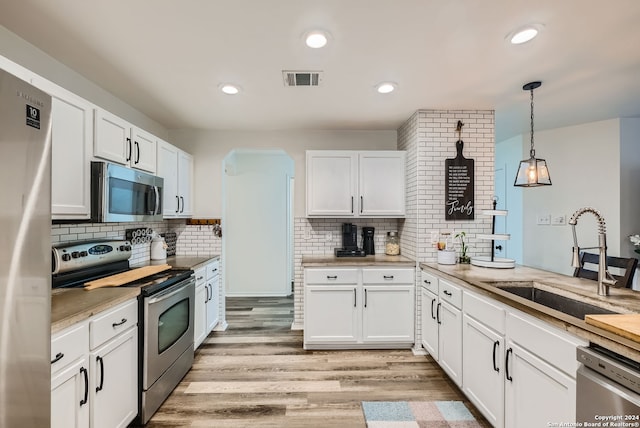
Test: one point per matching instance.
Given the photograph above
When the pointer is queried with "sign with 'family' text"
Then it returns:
(459, 186)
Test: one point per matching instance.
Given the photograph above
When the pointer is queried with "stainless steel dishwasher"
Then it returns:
(607, 388)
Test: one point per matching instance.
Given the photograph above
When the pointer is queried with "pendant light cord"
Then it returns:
(532, 152)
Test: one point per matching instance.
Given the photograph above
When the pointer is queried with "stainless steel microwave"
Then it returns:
(120, 194)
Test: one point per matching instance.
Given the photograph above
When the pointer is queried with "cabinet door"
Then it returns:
(112, 138)
(143, 154)
(331, 314)
(429, 322)
(200, 315)
(70, 396)
(537, 393)
(213, 303)
(185, 174)
(167, 168)
(482, 365)
(71, 146)
(332, 180)
(114, 381)
(450, 341)
(381, 184)
(388, 314)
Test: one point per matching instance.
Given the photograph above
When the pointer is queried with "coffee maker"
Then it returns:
(349, 242)
(368, 244)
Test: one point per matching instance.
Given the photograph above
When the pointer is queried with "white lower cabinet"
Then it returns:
(94, 370)
(207, 306)
(331, 314)
(213, 297)
(359, 308)
(483, 329)
(517, 370)
(200, 308)
(442, 324)
(114, 382)
(70, 377)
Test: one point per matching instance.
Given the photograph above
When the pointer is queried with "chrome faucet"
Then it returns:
(605, 279)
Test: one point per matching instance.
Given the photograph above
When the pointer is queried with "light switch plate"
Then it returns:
(559, 220)
(544, 219)
(328, 236)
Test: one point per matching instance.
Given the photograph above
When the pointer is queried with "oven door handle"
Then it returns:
(170, 292)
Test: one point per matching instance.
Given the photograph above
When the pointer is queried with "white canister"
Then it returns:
(446, 257)
(158, 248)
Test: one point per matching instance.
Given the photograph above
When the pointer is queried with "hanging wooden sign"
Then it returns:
(459, 185)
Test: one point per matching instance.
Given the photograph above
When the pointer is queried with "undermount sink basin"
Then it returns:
(528, 290)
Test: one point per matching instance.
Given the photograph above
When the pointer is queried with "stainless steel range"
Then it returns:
(165, 323)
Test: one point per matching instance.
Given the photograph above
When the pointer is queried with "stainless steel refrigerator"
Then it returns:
(25, 254)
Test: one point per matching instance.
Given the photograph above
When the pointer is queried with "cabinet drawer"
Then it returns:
(555, 346)
(109, 324)
(201, 275)
(331, 276)
(450, 293)
(487, 312)
(68, 345)
(388, 276)
(213, 269)
(428, 281)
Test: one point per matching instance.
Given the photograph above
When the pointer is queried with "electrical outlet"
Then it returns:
(328, 236)
(307, 233)
(434, 236)
(543, 219)
(559, 220)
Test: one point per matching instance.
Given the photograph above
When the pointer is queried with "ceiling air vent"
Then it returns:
(302, 78)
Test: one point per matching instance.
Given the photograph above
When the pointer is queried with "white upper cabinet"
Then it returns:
(355, 183)
(71, 142)
(176, 168)
(118, 141)
(381, 184)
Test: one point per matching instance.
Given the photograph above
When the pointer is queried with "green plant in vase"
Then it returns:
(464, 258)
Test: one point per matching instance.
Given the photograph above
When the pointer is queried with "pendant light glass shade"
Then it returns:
(532, 172)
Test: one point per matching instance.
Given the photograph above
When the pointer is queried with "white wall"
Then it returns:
(589, 167)
(508, 155)
(27, 55)
(629, 183)
(210, 147)
(255, 228)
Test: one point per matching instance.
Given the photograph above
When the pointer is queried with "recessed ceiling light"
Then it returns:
(316, 39)
(386, 87)
(229, 88)
(524, 34)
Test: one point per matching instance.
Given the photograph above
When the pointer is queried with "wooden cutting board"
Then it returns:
(625, 325)
(125, 277)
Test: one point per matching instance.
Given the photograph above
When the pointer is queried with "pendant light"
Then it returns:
(532, 172)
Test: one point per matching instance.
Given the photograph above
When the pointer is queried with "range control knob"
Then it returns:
(83, 254)
(125, 248)
(66, 257)
(75, 254)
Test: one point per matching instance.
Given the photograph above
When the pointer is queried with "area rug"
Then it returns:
(417, 414)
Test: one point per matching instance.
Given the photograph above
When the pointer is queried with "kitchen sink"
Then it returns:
(528, 290)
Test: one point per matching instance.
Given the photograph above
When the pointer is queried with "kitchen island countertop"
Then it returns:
(480, 279)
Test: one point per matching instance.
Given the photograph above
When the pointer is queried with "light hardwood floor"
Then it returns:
(256, 374)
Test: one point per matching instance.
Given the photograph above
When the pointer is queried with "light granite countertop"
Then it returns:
(480, 279)
(371, 260)
(185, 262)
(72, 305)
